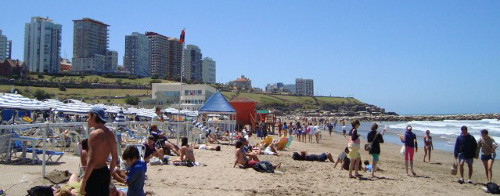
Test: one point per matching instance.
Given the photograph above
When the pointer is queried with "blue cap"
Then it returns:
(100, 113)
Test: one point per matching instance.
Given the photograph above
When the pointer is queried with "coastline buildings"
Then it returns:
(42, 45)
(137, 55)
(159, 54)
(175, 49)
(242, 84)
(192, 64)
(90, 48)
(5, 47)
(192, 96)
(304, 87)
(208, 70)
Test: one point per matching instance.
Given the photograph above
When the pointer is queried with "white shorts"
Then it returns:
(268, 151)
(203, 147)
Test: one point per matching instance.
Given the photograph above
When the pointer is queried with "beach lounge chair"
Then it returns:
(281, 144)
(267, 141)
(49, 154)
(290, 139)
(132, 136)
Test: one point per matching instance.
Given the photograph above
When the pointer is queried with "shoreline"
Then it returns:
(396, 118)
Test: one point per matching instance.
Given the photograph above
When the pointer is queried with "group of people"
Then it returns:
(302, 131)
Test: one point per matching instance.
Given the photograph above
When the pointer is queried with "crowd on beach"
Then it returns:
(100, 161)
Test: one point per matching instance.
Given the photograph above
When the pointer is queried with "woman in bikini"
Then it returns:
(428, 145)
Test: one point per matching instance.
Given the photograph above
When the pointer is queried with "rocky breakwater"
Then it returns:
(425, 117)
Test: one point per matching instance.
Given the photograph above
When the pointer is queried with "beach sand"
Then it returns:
(295, 177)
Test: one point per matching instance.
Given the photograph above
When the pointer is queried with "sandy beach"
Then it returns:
(294, 177)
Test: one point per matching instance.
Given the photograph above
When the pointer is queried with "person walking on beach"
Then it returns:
(102, 143)
(488, 146)
(330, 128)
(428, 146)
(465, 151)
(354, 143)
(376, 139)
(411, 146)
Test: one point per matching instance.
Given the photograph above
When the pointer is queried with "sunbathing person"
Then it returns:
(151, 150)
(206, 147)
(72, 188)
(249, 151)
(303, 156)
(243, 160)
(187, 154)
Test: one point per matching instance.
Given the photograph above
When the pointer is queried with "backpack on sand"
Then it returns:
(264, 166)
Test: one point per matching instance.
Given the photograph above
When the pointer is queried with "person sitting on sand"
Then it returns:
(159, 136)
(83, 156)
(248, 150)
(206, 147)
(342, 158)
(242, 159)
(187, 153)
(151, 150)
(367, 167)
(303, 156)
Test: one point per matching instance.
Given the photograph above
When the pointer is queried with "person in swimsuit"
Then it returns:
(72, 188)
(243, 160)
(428, 145)
(102, 143)
(303, 156)
(187, 153)
(206, 147)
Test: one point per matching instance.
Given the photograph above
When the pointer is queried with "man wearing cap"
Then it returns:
(465, 151)
(101, 144)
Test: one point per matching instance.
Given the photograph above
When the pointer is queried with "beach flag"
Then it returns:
(182, 36)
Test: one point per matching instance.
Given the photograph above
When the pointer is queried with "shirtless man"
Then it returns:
(101, 143)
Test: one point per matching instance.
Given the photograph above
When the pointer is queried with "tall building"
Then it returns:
(5, 47)
(137, 55)
(90, 48)
(304, 87)
(42, 45)
(192, 64)
(208, 70)
(159, 54)
(174, 59)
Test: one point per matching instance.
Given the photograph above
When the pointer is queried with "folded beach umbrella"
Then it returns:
(120, 117)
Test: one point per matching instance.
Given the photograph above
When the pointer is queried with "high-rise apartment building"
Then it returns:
(192, 64)
(42, 45)
(159, 54)
(90, 48)
(304, 87)
(5, 47)
(137, 55)
(208, 70)
(174, 59)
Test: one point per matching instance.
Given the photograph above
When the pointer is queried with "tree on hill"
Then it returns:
(41, 95)
(131, 100)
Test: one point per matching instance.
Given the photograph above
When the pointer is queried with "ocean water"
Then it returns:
(444, 133)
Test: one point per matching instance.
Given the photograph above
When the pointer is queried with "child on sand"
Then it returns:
(367, 167)
(137, 172)
(342, 158)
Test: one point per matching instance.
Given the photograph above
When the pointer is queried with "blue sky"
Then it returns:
(422, 57)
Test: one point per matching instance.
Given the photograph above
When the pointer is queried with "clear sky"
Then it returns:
(418, 57)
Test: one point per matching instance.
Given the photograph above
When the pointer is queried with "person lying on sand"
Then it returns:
(72, 188)
(206, 147)
(303, 156)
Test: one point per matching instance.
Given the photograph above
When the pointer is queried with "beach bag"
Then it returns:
(41, 191)
(368, 147)
(492, 188)
(403, 150)
(454, 168)
(264, 167)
